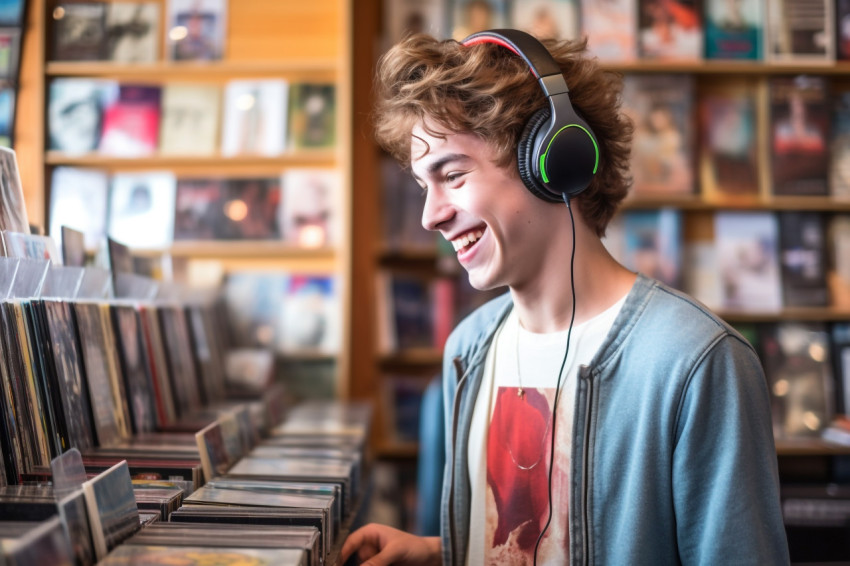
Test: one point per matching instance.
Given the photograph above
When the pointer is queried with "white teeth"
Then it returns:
(466, 239)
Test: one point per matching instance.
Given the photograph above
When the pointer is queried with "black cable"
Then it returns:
(560, 374)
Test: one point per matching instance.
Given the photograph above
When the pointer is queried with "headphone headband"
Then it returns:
(556, 131)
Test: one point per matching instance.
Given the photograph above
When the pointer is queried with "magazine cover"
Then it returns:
(800, 31)
(670, 30)
(78, 200)
(13, 211)
(729, 148)
(309, 316)
(312, 116)
(75, 113)
(130, 121)
(661, 107)
(734, 30)
(802, 245)
(132, 32)
(404, 17)
(747, 246)
(839, 146)
(610, 27)
(471, 16)
(547, 19)
(799, 134)
(308, 216)
(196, 30)
(189, 122)
(78, 32)
(141, 209)
(254, 117)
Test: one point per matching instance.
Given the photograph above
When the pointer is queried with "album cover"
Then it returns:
(78, 31)
(842, 30)
(134, 368)
(10, 54)
(75, 114)
(254, 302)
(670, 30)
(747, 247)
(102, 368)
(132, 32)
(68, 371)
(13, 440)
(610, 27)
(312, 116)
(112, 508)
(254, 117)
(839, 145)
(308, 212)
(196, 30)
(799, 375)
(44, 544)
(734, 30)
(208, 357)
(406, 303)
(405, 17)
(236, 209)
(190, 119)
(178, 348)
(651, 243)
(219, 447)
(547, 19)
(75, 522)
(661, 108)
(78, 200)
(800, 31)
(403, 202)
(839, 260)
(73, 247)
(11, 12)
(309, 321)
(471, 16)
(130, 120)
(799, 135)
(13, 211)
(728, 152)
(141, 209)
(8, 97)
(802, 244)
(157, 554)
(401, 401)
(30, 246)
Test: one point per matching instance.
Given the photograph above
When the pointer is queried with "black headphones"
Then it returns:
(557, 153)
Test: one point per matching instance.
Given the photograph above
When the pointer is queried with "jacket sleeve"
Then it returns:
(725, 478)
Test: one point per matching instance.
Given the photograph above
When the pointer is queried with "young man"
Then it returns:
(594, 416)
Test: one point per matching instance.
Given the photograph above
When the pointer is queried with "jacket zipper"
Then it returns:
(585, 530)
(455, 410)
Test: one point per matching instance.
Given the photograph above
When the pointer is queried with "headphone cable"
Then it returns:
(560, 374)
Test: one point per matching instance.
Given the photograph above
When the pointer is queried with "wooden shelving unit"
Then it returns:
(296, 42)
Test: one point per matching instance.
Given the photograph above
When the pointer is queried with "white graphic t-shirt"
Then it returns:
(510, 439)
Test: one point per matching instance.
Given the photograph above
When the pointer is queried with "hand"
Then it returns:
(380, 545)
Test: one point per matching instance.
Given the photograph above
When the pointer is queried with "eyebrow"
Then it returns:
(441, 162)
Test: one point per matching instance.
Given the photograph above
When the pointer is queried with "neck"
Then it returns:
(544, 303)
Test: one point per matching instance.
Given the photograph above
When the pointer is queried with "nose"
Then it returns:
(437, 209)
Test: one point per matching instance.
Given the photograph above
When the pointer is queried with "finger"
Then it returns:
(353, 542)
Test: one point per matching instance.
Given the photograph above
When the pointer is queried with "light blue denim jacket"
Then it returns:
(673, 459)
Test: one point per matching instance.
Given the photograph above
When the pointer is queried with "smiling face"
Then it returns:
(497, 227)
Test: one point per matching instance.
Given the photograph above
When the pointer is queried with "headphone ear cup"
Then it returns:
(526, 155)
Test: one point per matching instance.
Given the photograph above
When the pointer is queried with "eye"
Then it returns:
(453, 177)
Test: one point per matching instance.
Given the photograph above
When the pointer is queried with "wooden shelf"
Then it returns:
(240, 248)
(809, 447)
(776, 203)
(710, 67)
(391, 449)
(296, 69)
(413, 357)
(293, 158)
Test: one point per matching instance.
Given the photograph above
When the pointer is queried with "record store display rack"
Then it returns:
(118, 423)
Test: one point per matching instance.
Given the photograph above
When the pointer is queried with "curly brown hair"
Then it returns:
(487, 90)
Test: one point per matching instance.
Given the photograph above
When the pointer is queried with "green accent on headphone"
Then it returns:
(545, 153)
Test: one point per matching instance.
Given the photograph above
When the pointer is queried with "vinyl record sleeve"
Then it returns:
(153, 555)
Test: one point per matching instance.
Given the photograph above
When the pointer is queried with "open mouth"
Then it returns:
(466, 241)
